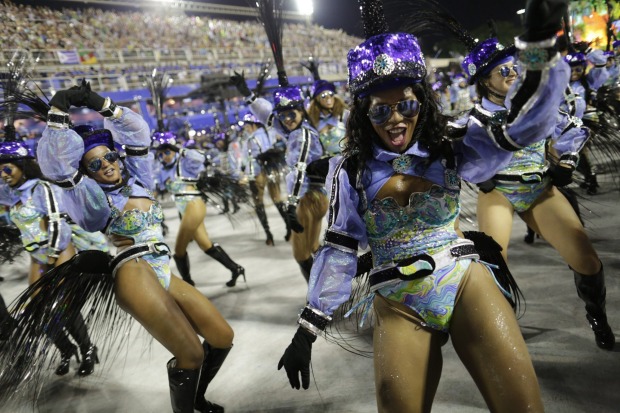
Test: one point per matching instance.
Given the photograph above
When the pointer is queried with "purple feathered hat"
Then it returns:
(484, 56)
(165, 140)
(384, 59)
(94, 137)
(576, 59)
(288, 97)
(321, 86)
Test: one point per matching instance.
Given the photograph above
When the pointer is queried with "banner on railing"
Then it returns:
(68, 57)
(87, 57)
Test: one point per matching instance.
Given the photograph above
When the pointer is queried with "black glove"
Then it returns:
(543, 19)
(291, 216)
(560, 175)
(313, 66)
(487, 186)
(93, 100)
(238, 80)
(64, 99)
(296, 358)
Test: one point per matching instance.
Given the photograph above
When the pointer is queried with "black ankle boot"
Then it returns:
(217, 253)
(182, 387)
(306, 267)
(592, 184)
(282, 210)
(89, 359)
(214, 358)
(591, 289)
(529, 237)
(65, 360)
(262, 217)
(183, 267)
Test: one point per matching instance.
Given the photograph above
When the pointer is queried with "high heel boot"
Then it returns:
(182, 384)
(214, 358)
(217, 253)
(306, 267)
(282, 210)
(77, 329)
(262, 217)
(67, 351)
(591, 289)
(183, 267)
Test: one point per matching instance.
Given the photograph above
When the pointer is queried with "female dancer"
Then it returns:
(327, 112)
(397, 189)
(307, 203)
(36, 208)
(103, 194)
(528, 185)
(179, 175)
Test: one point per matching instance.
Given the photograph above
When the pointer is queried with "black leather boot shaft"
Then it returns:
(591, 289)
(306, 267)
(282, 210)
(182, 384)
(214, 358)
(217, 253)
(183, 268)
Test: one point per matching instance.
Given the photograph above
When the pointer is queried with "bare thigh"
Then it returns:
(556, 221)
(140, 294)
(495, 216)
(193, 217)
(487, 339)
(407, 360)
(310, 212)
(260, 189)
(202, 314)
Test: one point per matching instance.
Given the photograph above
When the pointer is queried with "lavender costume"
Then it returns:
(96, 206)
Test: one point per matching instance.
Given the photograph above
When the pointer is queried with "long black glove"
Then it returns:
(313, 66)
(560, 175)
(296, 358)
(64, 99)
(293, 222)
(487, 186)
(93, 100)
(543, 19)
(238, 80)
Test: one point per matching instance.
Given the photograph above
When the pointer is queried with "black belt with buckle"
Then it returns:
(526, 178)
(36, 245)
(158, 248)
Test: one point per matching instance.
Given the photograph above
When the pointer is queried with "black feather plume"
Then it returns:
(432, 18)
(158, 84)
(373, 17)
(270, 15)
(13, 83)
(262, 77)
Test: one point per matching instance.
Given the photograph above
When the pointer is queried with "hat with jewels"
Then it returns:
(484, 56)
(384, 59)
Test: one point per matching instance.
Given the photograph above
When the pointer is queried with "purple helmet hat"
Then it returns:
(576, 59)
(250, 118)
(321, 86)
(287, 97)
(484, 56)
(94, 137)
(14, 151)
(383, 60)
(167, 139)
(609, 54)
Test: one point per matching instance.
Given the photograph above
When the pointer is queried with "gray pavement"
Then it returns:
(575, 376)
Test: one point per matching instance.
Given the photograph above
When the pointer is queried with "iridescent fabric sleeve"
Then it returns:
(59, 153)
(335, 264)
(262, 109)
(303, 148)
(131, 130)
(58, 231)
(570, 135)
(598, 75)
(192, 163)
(529, 116)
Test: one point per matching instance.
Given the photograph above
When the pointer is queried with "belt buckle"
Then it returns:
(532, 177)
(159, 248)
(416, 267)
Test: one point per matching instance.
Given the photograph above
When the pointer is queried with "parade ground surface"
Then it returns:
(575, 376)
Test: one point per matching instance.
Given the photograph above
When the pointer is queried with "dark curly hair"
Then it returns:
(29, 167)
(429, 130)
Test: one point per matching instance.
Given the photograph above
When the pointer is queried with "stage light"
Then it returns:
(305, 7)
(521, 11)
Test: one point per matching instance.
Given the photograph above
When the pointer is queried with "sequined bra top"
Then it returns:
(141, 226)
(425, 224)
(332, 139)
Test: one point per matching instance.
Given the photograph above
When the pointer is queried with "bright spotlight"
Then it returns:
(305, 7)
(521, 11)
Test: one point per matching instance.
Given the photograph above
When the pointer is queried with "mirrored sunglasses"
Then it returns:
(163, 153)
(96, 164)
(505, 70)
(287, 116)
(326, 95)
(382, 113)
(7, 170)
